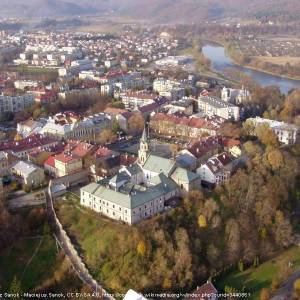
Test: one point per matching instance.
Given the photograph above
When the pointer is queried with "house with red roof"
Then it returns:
(23, 147)
(216, 170)
(66, 164)
(206, 291)
(186, 128)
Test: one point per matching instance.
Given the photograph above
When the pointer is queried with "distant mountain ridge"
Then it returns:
(41, 8)
(156, 10)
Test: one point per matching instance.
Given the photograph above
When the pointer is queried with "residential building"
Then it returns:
(206, 291)
(133, 100)
(286, 133)
(16, 104)
(185, 128)
(23, 84)
(29, 127)
(213, 106)
(173, 61)
(4, 164)
(170, 89)
(69, 125)
(67, 164)
(216, 170)
(23, 147)
(31, 175)
(184, 105)
(132, 295)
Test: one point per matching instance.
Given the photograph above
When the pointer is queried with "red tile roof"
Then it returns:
(79, 149)
(204, 292)
(28, 143)
(114, 111)
(50, 162)
(103, 152)
(65, 158)
(203, 146)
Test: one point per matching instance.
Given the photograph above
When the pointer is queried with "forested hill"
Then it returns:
(155, 10)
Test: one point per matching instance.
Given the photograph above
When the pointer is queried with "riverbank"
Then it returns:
(250, 67)
(222, 62)
(247, 66)
(204, 70)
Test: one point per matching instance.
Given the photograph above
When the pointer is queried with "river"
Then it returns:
(220, 62)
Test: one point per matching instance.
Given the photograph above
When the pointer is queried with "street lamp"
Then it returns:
(119, 134)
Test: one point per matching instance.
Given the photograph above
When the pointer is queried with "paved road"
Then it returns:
(286, 291)
(70, 250)
(26, 200)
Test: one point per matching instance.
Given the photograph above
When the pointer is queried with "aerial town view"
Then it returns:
(150, 149)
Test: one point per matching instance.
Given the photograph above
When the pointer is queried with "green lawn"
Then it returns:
(254, 279)
(96, 236)
(30, 260)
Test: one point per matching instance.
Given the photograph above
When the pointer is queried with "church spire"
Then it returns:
(144, 147)
(144, 136)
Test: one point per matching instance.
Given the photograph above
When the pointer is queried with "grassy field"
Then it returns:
(31, 260)
(96, 236)
(281, 60)
(254, 279)
(109, 25)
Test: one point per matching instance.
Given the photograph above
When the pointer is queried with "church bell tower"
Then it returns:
(144, 148)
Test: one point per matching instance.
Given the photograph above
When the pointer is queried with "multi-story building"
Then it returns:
(23, 147)
(184, 105)
(16, 103)
(29, 127)
(22, 84)
(4, 164)
(213, 106)
(133, 100)
(76, 67)
(31, 175)
(286, 133)
(235, 96)
(66, 164)
(171, 89)
(216, 170)
(183, 127)
(141, 190)
(68, 125)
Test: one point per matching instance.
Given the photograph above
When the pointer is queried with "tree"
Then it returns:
(115, 127)
(266, 135)
(15, 287)
(231, 130)
(249, 127)
(106, 136)
(275, 159)
(264, 294)
(233, 243)
(296, 286)
(167, 284)
(136, 124)
(252, 148)
(256, 262)
(241, 266)
(183, 259)
(141, 248)
(202, 221)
